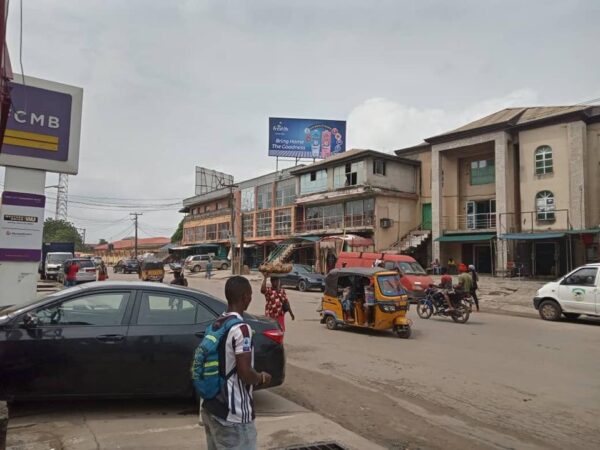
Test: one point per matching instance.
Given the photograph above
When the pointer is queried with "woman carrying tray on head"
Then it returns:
(277, 303)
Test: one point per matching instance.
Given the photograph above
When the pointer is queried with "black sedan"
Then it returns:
(116, 339)
(303, 278)
(127, 266)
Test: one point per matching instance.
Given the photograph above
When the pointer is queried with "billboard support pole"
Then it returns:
(19, 278)
(277, 164)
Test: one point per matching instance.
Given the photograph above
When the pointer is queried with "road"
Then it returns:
(496, 382)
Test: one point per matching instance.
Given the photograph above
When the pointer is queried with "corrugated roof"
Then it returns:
(352, 154)
(129, 243)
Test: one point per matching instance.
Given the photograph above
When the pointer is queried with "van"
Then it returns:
(413, 277)
(577, 293)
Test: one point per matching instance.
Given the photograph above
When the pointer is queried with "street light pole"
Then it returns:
(135, 220)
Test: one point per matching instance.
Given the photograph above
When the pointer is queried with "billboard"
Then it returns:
(43, 127)
(306, 138)
(208, 180)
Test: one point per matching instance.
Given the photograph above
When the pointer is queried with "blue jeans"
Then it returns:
(69, 283)
(233, 436)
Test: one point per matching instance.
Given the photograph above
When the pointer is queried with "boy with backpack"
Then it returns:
(224, 376)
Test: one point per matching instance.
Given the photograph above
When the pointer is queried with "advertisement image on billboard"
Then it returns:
(306, 138)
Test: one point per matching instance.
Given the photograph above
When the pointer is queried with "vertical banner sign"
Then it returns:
(306, 138)
(21, 226)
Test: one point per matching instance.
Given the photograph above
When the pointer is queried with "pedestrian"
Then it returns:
(475, 285)
(435, 266)
(178, 278)
(209, 268)
(451, 266)
(331, 260)
(102, 272)
(71, 278)
(276, 301)
(228, 418)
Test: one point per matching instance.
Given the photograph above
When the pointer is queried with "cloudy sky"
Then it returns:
(169, 85)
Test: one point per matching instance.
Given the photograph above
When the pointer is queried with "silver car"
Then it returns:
(198, 263)
(86, 273)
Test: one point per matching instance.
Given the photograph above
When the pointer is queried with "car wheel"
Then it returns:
(549, 310)
(572, 316)
(302, 286)
(196, 269)
(224, 266)
(330, 322)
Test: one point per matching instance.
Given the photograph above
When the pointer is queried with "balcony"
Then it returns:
(208, 215)
(469, 222)
(352, 222)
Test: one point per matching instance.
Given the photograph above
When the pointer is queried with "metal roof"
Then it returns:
(531, 236)
(466, 237)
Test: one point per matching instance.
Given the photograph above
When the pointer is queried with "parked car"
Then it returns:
(115, 339)
(197, 263)
(575, 294)
(52, 264)
(86, 273)
(127, 266)
(97, 260)
(303, 278)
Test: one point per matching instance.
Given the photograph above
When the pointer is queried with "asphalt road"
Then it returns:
(496, 382)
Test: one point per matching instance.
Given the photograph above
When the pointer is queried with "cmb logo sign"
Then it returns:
(43, 126)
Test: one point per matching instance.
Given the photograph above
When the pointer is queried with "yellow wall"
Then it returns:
(592, 187)
(558, 182)
(402, 213)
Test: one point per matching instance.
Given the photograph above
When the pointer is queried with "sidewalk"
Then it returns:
(130, 425)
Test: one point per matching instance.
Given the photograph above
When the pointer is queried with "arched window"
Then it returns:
(544, 206)
(543, 160)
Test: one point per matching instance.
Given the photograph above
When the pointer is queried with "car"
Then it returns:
(97, 260)
(127, 266)
(197, 263)
(303, 278)
(116, 339)
(86, 273)
(577, 293)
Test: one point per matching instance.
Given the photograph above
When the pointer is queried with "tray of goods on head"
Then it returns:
(275, 267)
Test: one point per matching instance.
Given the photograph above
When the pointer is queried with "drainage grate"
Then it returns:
(316, 446)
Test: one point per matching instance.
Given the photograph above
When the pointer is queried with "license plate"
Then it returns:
(154, 273)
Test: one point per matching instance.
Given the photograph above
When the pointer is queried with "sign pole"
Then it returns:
(19, 278)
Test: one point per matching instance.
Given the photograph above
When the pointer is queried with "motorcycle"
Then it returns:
(434, 304)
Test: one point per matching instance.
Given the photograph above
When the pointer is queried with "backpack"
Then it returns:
(207, 377)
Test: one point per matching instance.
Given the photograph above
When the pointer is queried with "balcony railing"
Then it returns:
(208, 215)
(482, 221)
(336, 222)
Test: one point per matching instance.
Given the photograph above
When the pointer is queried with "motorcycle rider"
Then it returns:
(447, 290)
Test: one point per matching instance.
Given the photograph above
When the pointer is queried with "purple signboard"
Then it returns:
(21, 226)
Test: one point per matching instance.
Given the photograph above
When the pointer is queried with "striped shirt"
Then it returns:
(235, 402)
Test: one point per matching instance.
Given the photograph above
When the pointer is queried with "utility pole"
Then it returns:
(135, 220)
(82, 234)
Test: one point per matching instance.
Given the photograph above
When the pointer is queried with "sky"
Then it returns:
(173, 85)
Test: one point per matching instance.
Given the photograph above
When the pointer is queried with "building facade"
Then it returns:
(125, 248)
(515, 189)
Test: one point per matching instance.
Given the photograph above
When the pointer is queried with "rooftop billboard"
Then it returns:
(306, 138)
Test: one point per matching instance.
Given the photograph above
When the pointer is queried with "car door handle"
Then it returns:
(199, 333)
(110, 338)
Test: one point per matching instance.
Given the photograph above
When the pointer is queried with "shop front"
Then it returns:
(473, 248)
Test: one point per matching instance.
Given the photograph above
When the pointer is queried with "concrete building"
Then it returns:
(515, 189)
(125, 248)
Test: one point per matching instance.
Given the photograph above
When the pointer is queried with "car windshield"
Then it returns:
(390, 285)
(411, 268)
(303, 268)
(83, 263)
(59, 259)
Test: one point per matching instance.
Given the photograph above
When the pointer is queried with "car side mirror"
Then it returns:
(296, 273)
(31, 321)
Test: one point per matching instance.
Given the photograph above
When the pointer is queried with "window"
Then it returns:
(199, 233)
(248, 225)
(105, 309)
(379, 167)
(322, 217)
(543, 160)
(350, 174)
(315, 181)
(583, 277)
(283, 222)
(223, 229)
(263, 224)
(264, 196)
(248, 199)
(544, 206)
(360, 212)
(483, 172)
(211, 232)
(164, 309)
(286, 192)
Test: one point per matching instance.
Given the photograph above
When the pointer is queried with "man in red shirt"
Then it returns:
(277, 303)
(72, 269)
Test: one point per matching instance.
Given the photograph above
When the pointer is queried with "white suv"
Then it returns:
(575, 294)
(197, 263)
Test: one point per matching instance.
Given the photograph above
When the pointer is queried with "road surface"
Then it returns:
(497, 382)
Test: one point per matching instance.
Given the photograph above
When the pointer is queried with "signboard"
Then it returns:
(21, 226)
(306, 138)
(43, 127)
(208, 180)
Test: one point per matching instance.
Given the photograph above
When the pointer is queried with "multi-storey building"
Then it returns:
(517, 188)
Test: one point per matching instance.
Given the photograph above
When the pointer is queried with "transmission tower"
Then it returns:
(62, 198)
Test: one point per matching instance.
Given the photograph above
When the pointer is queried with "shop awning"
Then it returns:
(585, 231)
(531, 236)
(466, 237)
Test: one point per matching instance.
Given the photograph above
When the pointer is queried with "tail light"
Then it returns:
(274, 335)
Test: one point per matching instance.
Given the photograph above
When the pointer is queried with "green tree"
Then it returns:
(102, 242)
(178, 235)
(62, 231)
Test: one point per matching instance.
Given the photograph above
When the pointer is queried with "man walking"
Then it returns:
(71, 278)
(229, 417)
(209, 268)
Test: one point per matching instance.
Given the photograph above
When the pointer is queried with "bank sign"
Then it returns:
(306, 138)
(43, 127)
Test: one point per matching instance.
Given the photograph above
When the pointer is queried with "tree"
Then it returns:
(62, 231)
(178, 235)
(102, 242)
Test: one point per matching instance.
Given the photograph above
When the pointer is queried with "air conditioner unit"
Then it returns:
(385, 223)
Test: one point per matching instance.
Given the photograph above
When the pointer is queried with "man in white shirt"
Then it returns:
(229, 417)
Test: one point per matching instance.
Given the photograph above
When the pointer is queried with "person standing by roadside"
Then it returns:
(451, 266)
(276, 301)
(102, 272)
(229, 417)
(71, 278)
(475, 285)
(209, 268)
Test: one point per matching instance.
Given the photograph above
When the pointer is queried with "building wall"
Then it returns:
(557, 182)
(402, 213)
(592, 176)
(450, 191)
(468, 191)
(398, 176)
